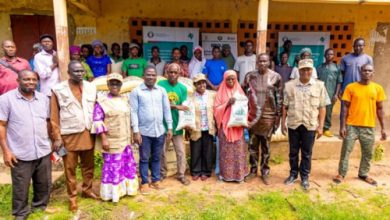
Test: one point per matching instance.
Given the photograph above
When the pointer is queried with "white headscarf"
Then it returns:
(196, 66)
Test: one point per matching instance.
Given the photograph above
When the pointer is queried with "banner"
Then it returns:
(318, 42)
(209, 40)
(167, 38)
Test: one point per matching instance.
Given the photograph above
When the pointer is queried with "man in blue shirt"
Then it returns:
(214, 69)
(149, 108)
(350, 66)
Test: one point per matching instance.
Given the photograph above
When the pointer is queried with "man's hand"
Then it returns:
(343, 132)
(9, 159)
(334, 99)
(284, 129)
(232, 100)
(137, 138)
(182, 108)
(169, 134)
(57, 144)
(340, 96)
(277, 123)
(105, 144)
(319, 131)
(383, 135)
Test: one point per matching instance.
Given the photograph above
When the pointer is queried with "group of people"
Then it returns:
(69, 118)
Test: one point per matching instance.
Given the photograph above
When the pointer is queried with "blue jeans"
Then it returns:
(151, 147)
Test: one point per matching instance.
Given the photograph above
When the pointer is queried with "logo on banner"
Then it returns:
(190, 35)
(219, 38)
(150, 34)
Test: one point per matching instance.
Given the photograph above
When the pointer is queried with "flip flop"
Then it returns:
(368, 180)
(338, 179)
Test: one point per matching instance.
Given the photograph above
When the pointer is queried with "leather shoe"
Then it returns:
(90, 195)
(73, 205)
(265, 179)
(290, 180)
(305, 183)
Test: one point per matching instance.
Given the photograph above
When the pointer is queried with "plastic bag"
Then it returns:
(239, 114)
(187, 118)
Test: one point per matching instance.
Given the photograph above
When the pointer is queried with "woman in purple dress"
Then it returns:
(111, 123)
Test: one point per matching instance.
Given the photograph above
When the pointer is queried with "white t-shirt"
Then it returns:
(159, 67)
(295, 73)
(245, 64)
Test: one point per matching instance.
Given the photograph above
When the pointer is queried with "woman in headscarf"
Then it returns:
(197, 62)
(75, 54)
(99, 62)
(232, 148)
(111, 123)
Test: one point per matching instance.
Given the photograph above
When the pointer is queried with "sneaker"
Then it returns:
(145, 189)
(184, 181)
(328, 133)
(305, 184)
(156, 185)
(290, 180)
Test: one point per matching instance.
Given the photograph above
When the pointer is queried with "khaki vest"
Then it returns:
(75, 117)
(303, 107)
(117, 122)
(197, 133)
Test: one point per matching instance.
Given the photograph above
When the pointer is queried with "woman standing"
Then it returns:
(233, 151)
(99, 62)
(201, 138)
(75, 54)
(197, 62)
(112, 124)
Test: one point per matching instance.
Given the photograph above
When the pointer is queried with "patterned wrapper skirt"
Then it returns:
(119, 175)
(233, 162)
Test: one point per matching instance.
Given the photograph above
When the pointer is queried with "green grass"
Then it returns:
(189, 205)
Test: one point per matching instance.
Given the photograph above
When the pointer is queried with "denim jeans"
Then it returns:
(150, 148)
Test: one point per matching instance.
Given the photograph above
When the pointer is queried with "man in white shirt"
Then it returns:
(46, 65)
(245, 63)
(156, 61)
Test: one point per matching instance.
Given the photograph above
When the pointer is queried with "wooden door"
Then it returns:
(26, 30)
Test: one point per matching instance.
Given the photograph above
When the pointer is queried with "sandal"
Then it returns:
(368, 180)
(338, 179)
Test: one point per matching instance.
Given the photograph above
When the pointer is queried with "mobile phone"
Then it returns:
(62, 151)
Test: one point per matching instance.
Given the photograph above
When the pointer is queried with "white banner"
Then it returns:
(209, 40)
(167, 38)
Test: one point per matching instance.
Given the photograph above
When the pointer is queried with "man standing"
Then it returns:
(265, 108)
(10, 65)
(245, 63)
(350, 66)
(214, 69)
(283, 68)
(329, 73)
(362, 103)
(134, 65)
(156, 61)
(176, 54)
(227, 56)
(304, 103)
(149, 109)
(184, 54)
(46, 65)
(116, 58)
(72, 104)
(177, 94)
(24, 140)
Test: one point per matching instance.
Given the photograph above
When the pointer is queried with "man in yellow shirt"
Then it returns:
(363, 102)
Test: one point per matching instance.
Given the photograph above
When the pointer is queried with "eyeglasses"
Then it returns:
(172, 71)
(117, 84)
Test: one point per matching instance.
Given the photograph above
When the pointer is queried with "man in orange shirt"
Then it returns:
(363, 102)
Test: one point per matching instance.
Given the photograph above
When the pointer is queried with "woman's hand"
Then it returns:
(232, 100)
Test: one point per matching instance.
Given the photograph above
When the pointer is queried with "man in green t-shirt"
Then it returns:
(177, 94)
(134, 65)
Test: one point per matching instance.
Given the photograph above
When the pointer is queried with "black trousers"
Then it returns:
(202, 155)
(256, 142)
(300, 139)
(39, 171)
